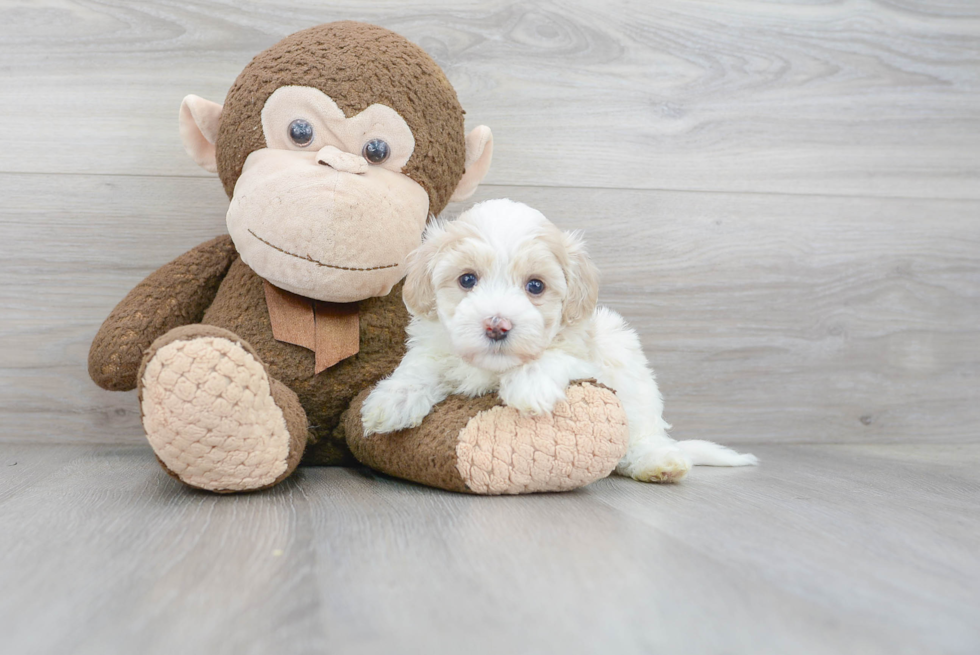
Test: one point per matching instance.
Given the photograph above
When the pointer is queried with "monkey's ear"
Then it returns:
(479, 152)
(199, 120)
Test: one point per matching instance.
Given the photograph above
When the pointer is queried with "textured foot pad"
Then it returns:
(209, 414)
(502, 452)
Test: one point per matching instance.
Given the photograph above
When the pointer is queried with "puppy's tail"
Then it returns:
(706, 453)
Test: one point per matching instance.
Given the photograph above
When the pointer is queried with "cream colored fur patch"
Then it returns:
(209, 414)
(503, 452)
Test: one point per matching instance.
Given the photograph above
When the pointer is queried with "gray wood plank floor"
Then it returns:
(784, 199)
(823, 549)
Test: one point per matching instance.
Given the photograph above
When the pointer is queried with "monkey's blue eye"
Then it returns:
(376, 151)
(467, 280)
(301, 132)
(535, 287)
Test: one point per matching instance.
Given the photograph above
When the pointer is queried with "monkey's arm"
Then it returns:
(175, 294)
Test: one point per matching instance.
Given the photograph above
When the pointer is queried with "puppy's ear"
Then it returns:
(582, 279)
(418, 293)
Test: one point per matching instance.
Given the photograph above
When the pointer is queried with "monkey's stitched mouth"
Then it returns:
(319, 263)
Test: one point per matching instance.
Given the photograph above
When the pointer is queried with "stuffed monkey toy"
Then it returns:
(253, 351)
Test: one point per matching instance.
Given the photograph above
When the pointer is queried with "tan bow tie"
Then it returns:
(330, 329)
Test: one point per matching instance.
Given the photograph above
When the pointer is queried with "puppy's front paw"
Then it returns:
(667, 464)
(394, 406)
(537, 396)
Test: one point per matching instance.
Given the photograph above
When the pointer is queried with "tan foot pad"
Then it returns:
(210, 416)
(503, 452)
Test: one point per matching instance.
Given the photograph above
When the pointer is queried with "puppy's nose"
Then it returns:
(497, 328)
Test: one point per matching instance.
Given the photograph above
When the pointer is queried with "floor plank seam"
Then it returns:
(578, 187)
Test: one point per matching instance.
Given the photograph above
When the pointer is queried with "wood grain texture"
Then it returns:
(853, 98)
(822, 549)
(767, 318)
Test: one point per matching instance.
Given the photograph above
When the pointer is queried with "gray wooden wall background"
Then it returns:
(784, 197)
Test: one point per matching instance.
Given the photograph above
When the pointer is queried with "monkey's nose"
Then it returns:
(344, 162)
(496, 328)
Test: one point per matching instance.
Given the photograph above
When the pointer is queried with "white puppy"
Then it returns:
(502, 300)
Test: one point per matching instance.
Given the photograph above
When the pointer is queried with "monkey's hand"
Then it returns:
(175, 294)
(395, 405)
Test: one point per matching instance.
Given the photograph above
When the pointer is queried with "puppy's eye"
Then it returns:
(376, 151)
(534, 287)
(467, 280)
(301, 132)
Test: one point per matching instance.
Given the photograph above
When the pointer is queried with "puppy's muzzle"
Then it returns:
(497, 328)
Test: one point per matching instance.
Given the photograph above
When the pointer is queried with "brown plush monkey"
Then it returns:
(250, 351)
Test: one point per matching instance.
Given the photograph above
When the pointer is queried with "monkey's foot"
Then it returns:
(480, 446)
(212, 414)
